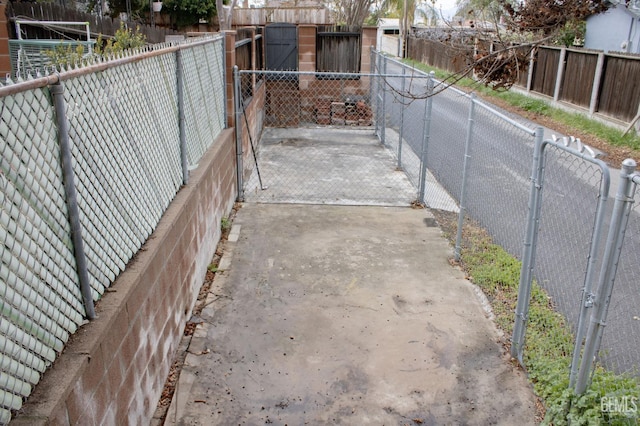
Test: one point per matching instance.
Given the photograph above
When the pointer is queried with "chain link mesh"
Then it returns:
(333, 156)
(497, 195)
(39, 297)
(124, 137)
(499, 178)
(621, 338)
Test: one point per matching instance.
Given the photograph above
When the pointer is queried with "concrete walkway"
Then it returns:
(345, 315)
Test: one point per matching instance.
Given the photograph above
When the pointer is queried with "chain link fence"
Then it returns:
(128, 153)
(324, 119)
(482, 157)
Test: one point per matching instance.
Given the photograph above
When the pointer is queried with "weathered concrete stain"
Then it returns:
(346, 315)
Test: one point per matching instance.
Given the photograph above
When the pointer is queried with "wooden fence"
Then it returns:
(607, 84)
(338, 49)
(41, 11)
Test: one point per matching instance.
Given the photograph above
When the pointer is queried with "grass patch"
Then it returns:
(540, 107)
(549, 341)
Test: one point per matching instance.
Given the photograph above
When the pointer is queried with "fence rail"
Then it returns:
(85, 180)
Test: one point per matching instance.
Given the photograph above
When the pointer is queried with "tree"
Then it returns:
(225, 16)
(352, 12)
(428, 14)
(189, 12)
(550, 16)
(510, 32)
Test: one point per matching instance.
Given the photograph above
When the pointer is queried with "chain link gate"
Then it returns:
(319, 142)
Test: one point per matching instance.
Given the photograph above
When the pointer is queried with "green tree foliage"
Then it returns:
(69, 54)
(66, 55)
(189, 12)
(124, 39)
(137, 8)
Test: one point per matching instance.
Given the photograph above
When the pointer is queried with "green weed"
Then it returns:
(549, 340)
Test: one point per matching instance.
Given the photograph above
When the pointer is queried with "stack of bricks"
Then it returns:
(364, 113)
(338, 113)
(282, 105)
(352, 114)
(323, 111)
(343, 113)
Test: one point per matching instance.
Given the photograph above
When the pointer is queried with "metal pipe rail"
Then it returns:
(39, 82)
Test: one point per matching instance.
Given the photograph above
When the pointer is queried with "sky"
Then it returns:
(446, 7)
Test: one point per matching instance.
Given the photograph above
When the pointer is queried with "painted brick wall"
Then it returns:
(114, 368)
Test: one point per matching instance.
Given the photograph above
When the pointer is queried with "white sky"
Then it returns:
(446, 7)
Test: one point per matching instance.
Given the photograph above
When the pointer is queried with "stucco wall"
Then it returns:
(113, 370)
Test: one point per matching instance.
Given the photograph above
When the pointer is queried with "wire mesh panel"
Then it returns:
(123, 129)
(204, 84)
(39, 298)
(499, 178)
(621, 338)
(572, 188)
(334, 156)
(130, 111)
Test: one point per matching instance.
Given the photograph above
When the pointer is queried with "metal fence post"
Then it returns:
(426, 131)
(57, 91)
(613, 247)
(237, 98)
(181, 122)
(372, 70)
(587, 294)
(529, 249)
(465, 169)
(223, 71)
(383, 120)
(403, 107)
(377, 94)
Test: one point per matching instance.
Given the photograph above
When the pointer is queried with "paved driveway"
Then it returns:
(345, 315)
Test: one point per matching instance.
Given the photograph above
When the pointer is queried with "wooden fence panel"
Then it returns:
(577, 81)
(106, 26)
(338, 49)
(439, 55)
(523, 75)
(544, 71)
(619, 91)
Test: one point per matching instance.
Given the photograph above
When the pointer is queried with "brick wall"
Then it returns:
(113, 369)
(230, 60)
(369, 40)
(255, 118)
(5, 60)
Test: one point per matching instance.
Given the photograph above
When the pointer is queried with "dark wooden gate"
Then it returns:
(281, 42)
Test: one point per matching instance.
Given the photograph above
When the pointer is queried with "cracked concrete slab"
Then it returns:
(346, 315)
